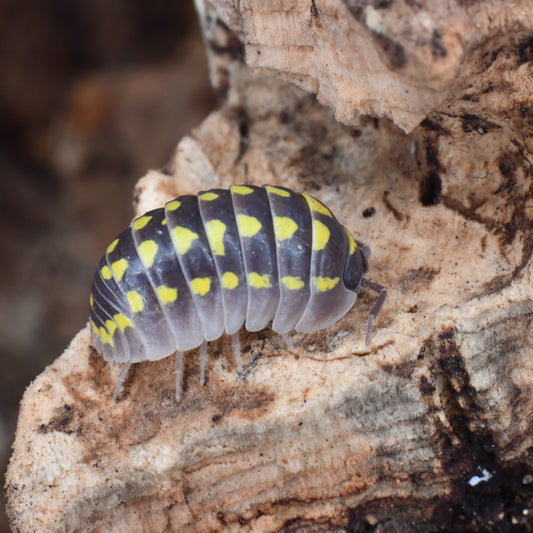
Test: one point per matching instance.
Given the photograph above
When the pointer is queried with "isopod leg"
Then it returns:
(236, 345)
(288, 342)
(121, 379)
(203, 361)
(179, 374)
(382, 294)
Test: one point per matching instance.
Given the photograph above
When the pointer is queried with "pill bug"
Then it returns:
(184, 274)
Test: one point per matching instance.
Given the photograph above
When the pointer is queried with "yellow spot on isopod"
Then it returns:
(136, 301)
(248, 226)
(147, 251)
(164, 223)
(95, 329)
(315, 205)
(167, 294)
(119, 267)
(325, 283)
(106, 272)
(183, 238)
(279, 192)
(112, 246)
(284, 227)
(259, 281)
(293, 282)
(215, 230)
(201, 286)
(141, 222)
(106, 338)
(241, 189)
(172, 205)
(91, 300)
(111, 326)
(351, 241)
(320, 235)
(123, 321)
(208, 196)
(230, 280)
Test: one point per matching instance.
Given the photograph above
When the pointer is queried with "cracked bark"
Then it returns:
(335, 435)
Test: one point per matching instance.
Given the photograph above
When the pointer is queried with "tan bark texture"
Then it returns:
(385, 58)
(430, 428)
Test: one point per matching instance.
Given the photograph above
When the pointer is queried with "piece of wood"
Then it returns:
(430, 427)
(395, 59)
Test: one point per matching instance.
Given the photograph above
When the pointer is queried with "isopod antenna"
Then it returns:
(382, 294)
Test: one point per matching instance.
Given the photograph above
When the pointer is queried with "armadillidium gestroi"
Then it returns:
(201, 266)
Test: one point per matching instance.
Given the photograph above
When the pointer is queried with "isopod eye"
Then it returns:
(356, 267)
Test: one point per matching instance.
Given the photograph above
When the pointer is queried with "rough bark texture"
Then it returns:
(387, 58)
(335, 436)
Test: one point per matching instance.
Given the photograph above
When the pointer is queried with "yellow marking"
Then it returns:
(123, 321)
(106, 272)
(284, 227)
(136, 301)
(325, 283)
(351, 240)
(91, 300)
(147, 251)
(167, 294)
(230, 280)
(208, 196)
(279, 192)
(172, 205)
(201, 286)
(112, 246)
(215, 230)
(241, 189)
(320, 235)
(141, 222)
(248, 226)
(293, 283)
(315, 205)
(95, 329)
(184, 238)
(164, 223)
(119, 267)
(259, 281)
(106, 337)
(111, 326)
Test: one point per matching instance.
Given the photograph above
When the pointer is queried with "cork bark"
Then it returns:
(430, 427)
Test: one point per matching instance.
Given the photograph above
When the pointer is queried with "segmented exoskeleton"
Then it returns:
(200, 266)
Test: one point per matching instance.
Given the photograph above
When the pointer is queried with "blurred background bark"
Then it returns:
(92, 94)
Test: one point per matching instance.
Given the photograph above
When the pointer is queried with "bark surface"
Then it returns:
(430, 427)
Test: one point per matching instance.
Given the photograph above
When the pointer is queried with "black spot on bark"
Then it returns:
(284, 117)
(430, 189)
(525, 50)
(476, 124)
(431, 125)
(244, 130)
(394, 51)
(61, 422)
(369, 212)
(437, 49)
